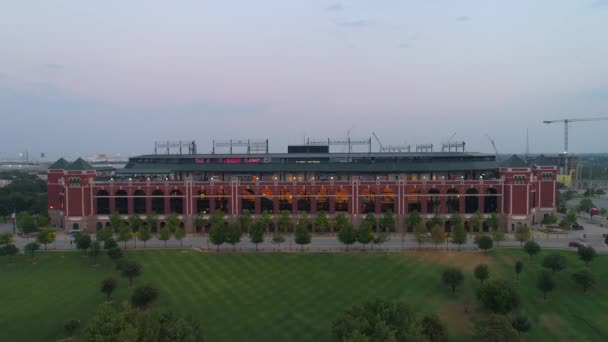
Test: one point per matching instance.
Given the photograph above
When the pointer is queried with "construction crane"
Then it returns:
(378, 141)
(493, 145)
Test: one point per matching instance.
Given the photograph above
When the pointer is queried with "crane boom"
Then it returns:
(567, 121)
(379, 143)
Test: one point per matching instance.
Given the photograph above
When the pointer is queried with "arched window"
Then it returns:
(122, 202)
(368, 201)
(202, 202)
(471, 201)
(453, 201)
(490, 201)
(139, 202)
(266, 202)
(413, 200)
(158, 202)
(103, 202)
(176, 202)
(433, 201)
(248, 200)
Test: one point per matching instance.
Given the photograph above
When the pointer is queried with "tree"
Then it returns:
(347, 235)
(521, 323)
(498, 235)
(433, 328)
(322, 221)
(256, 233)
(31, 248)
(108, 285)
(45, 237)
(164, 235)
(494, 328)
(9, 250)
(498, 296)
(285, 221)
(200, 221)
(484, 242)
(459, 235)
(437, 235)
(233, 234)
(125, 234)
(452, 277)
(455, 219)
(172, 222)
(421, 233)
(481, 272)
(370, 218)
(584, 278)
(302, 235)
(278, 238)
(380, 238)
(267, 219)
(6, 239)
(115, 253)
(109, 243)
(413, 219)
(571, 217)
(475, 221)
(144, 234)
(586, 254)
(532, 248)
(105, 234)
(585, 205)
(519, 267)
(549, 219)
(341, 221)
(217, 234)
(545, 283)
(130, 270)
(143, 296)
(83, 242)
(180, 234)
(151, 222)
(522, 233)
(71, 326)
(42, 220)
(26, 223)
(115, 221)
(388, 220)
(245, 220)
(365, 233)
(493, 222)
(135, 223)
(436, 220)
(94, 251)
(555, 262)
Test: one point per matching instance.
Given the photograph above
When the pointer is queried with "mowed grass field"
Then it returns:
(292, 296)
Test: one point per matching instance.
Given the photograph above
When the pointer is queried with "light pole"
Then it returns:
(590, 192)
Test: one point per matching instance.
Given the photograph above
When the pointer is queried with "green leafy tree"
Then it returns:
(586, 254)
(180, 234)
(494, 328)
(433, 328)
(571, 217)
(10, 251)
(115, 253)
(135, 222)
(245, 220)
(45, 236)
(493, 222)
(31, 248)
(115, 221)
(421, 233)
(555, 262)
(532, 248)
(498, 235)
(267, 219)
(584, 278)
(475, 221)
(365, 233)
(456, 219)
(347, 235)
(200, 221)
(256, 233)
(172, 222)
(437, 235)
(26, 223)
(498, 296)
(144, 296)
(452, 277)
(109, 243)
(71, 326)
(545, 283)
(388, 220)
(83, 242)
(322, 221)
(413, 219)
(94, 251)
(125, 234)
(380, 238)
(144, 234)
(341, 221)
(522, 233)
(217, 234)
(164, 235)
(151, 222)
(550, 219)
(302, 235)
(521, 323)
(585, 205)
(519, 267)
(104, 234)
(459, 235)
(42, 220)
(278, 239)
(108, 285)
(304, 219)
(130, 270)
(6, 239)
(370, 218)
(436, 220)
(484, 242)
(233, 234)
(482, 273)
(285, 221)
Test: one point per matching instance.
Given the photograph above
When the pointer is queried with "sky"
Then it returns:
(79, 78)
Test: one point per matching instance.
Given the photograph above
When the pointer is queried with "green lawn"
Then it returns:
(281, 297)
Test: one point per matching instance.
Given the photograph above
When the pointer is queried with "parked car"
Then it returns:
(73, 232)
(576, 226)
(575, 244)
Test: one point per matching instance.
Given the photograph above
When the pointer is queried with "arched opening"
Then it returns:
(75, 226)
(122, 202)
(221, 202)
(342, 200)
(388, 200)
(433, 201)
(158, 201)
(304, 200)
(103, 202)
(266, 202)
(413, 200)
(248, 201)
(108, 224)
(485, 226)
(447, 226)
(490, 201)
(285, 200)
(99, 226)
(176, 202)
(453, 201)
(471, 202)
(368, 201)
(322, 200)
(139, 202)
(202, 202)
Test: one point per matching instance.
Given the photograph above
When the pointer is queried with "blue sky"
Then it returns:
(78, 78)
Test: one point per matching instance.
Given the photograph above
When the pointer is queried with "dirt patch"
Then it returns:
(457, 318)
(465, 260)
(552, 323)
